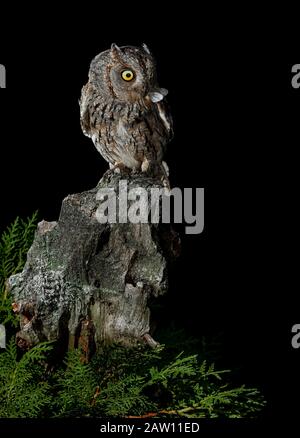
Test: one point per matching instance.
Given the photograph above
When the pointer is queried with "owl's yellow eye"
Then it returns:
(127, 75)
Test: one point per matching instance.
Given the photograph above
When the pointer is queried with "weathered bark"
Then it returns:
(86, 283)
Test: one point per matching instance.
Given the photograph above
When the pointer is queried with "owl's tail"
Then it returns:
(165, 175)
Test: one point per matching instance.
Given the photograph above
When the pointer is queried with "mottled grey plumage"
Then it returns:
(123, 110)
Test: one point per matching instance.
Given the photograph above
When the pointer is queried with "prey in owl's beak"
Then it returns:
(157, 94)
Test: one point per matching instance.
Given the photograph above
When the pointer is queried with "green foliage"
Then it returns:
(106, 386)
(202, 392)
(179, 368)
(24, 391)
(147, 382)
(180, 387)
(14, 245)
(123, 397)
(75, 385)
(15, 242)
(118, 381)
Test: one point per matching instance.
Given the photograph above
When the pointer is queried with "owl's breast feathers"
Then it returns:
(123, 132)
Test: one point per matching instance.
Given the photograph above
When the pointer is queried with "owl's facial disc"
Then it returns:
(131, 75)
(128, 82)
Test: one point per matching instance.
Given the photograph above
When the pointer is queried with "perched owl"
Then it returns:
(123, 110)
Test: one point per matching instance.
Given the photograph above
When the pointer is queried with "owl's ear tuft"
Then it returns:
(146, 48)
(115, 51)
(114, 46)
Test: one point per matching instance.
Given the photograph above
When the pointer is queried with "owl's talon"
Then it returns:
(135, 171)
(117, 168)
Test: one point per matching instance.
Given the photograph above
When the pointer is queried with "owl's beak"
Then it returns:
(157, 94)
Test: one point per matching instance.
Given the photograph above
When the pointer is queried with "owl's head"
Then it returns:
(126, 74)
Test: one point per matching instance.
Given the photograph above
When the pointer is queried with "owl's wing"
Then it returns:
(84, 110)
(166, 118)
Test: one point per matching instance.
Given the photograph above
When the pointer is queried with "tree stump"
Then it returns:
(87, 283)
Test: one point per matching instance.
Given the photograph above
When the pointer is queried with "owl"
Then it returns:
(124, 112)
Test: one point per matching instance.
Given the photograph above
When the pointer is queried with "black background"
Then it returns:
(236, 121)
